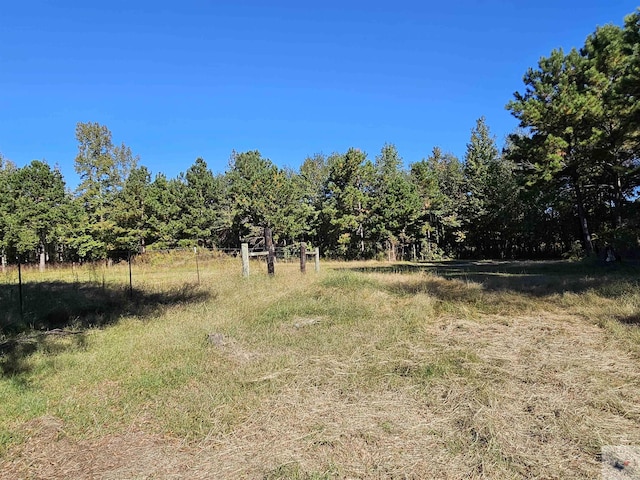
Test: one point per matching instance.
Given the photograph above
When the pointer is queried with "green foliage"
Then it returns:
(491, 208)
(396, 205)
(347, 204)
(575, 253)
(103, 170)
(165, 219)
(580, 113)
(34, 206)
(6, 170)
(571, 171)
(200, 196)
(263, 195)
(440, 183)
(132, 211)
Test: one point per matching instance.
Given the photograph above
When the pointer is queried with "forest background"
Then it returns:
(565, 183)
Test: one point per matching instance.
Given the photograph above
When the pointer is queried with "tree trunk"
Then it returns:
(43, 258)
(586, 236)
(392, 250)
(361, 228)
(617, 203)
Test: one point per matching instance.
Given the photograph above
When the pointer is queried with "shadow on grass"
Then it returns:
(538, 279)
(630, 320)
(60, 309)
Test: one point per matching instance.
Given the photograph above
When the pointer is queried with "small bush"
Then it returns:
(575, 253)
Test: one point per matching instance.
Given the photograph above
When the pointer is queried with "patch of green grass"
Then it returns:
(334, 306)
(451, 363)
(347, 280)
(403, 368)
(293, 471)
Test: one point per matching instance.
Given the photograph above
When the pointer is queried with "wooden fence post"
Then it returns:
(271, 251)
(317, 259)
(245, 259)
(303, 257)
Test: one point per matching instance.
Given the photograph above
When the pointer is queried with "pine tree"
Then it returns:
(347, 204)
(395, 205)
(36, 201)
(132, 211)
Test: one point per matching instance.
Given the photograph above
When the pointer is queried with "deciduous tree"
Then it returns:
(103, 170)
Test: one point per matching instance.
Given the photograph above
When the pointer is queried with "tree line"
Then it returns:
(565, 181)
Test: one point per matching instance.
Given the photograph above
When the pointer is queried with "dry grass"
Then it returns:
(358, 372)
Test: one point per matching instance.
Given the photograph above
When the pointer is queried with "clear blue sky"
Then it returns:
(177, 80)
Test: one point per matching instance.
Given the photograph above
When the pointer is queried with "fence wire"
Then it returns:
(35, 298)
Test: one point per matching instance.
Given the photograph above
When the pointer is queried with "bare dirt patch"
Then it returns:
(231, 348)
(302, 322)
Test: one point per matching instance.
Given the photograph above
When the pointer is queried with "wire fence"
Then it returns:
(31, 297)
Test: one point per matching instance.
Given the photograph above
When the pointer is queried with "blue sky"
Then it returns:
(177, 80)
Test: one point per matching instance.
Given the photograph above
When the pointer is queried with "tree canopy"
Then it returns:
(570, 173)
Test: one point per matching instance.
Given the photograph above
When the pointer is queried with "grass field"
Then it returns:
(364, 370)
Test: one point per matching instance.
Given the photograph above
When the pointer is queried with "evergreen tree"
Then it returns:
(200, 198)
(581, 118)
(263, 195)
(347, 204)
(103, 170)
(35, 210)
(132, 211)
(313, 176)
(7, 168)
(395, 205)
(165, 222)
(491, 192)
(558, 109)
(440, 183)
(615, 137)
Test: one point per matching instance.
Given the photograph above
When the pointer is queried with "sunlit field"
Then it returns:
(363, 370)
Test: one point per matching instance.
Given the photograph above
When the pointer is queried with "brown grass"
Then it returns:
(373, 375)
